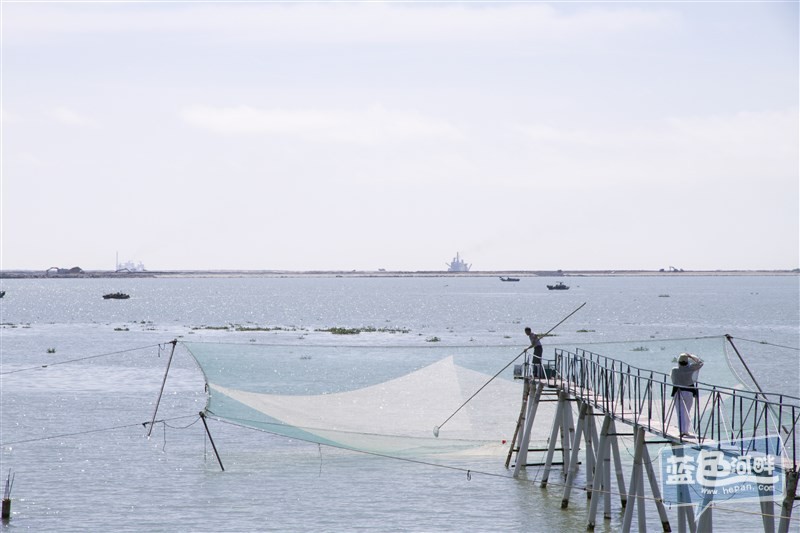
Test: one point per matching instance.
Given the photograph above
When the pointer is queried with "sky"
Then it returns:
(368, 135)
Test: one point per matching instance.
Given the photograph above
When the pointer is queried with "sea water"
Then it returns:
(81, 377)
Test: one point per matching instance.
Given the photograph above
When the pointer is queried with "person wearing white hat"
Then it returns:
(684, 388)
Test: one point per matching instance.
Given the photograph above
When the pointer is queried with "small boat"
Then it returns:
(116, 296)
(508, 278)
(558, 287)
(2, 293)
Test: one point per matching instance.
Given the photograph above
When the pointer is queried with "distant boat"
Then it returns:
(458, 265)
(558, 287)
(116, 296)
(2, 293)
(508, 279)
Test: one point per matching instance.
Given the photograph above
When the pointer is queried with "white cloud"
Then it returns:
(331, 22)
(745, 148)
(7, 118)
(70, 117)
(698, 149)
(368, 126)
(741, 133)
(590, 123)
(543, 133)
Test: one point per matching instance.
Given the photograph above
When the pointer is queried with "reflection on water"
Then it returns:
(116, 479)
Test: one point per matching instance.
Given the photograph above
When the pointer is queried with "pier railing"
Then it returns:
(644, 398)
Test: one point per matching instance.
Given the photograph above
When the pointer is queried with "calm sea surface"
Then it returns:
(72, 432)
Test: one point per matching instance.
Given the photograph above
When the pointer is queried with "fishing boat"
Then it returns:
(558, 287)
(507, 278)
(116, 296)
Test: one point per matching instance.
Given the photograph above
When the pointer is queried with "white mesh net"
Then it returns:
(389, 400)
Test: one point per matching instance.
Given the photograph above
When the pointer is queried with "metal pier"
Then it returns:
(725, 421)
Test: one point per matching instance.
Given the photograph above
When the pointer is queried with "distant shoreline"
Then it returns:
(34, 274)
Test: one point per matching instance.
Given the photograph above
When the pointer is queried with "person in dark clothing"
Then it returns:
(536, 360)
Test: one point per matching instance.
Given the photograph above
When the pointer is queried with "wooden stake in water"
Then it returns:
(7, 497)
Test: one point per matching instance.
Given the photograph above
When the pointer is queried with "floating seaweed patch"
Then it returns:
(356, 331)
(266, 328)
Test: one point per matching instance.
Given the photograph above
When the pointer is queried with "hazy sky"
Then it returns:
(393, 135)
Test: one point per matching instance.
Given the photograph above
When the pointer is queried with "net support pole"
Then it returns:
(655, 490)
(573, 460)
(516, 440)
(760, 390)
(558, 426)
(758, 387)
(767, 500)
(567, 431)
(530, 416)
(590, 439)
(164, 382)
(790, 491)
(686, 521)
(606, 482)
(705, 520)
(603, 448)
(618, 469)
(636, 491)
(213, 446)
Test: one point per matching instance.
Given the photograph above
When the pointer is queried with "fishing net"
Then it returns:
(376, 399)
(391, 400)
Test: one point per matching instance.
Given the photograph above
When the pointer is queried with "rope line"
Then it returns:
(89, 431)
(79, 359)
(641, 341)
(179, 427)
(525, 351)
(470, 471)
(768, 344)
(440, 347)
(365, 452)
(313, 429)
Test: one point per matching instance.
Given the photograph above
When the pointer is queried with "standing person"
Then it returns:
(684, 386)
(536, 344)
